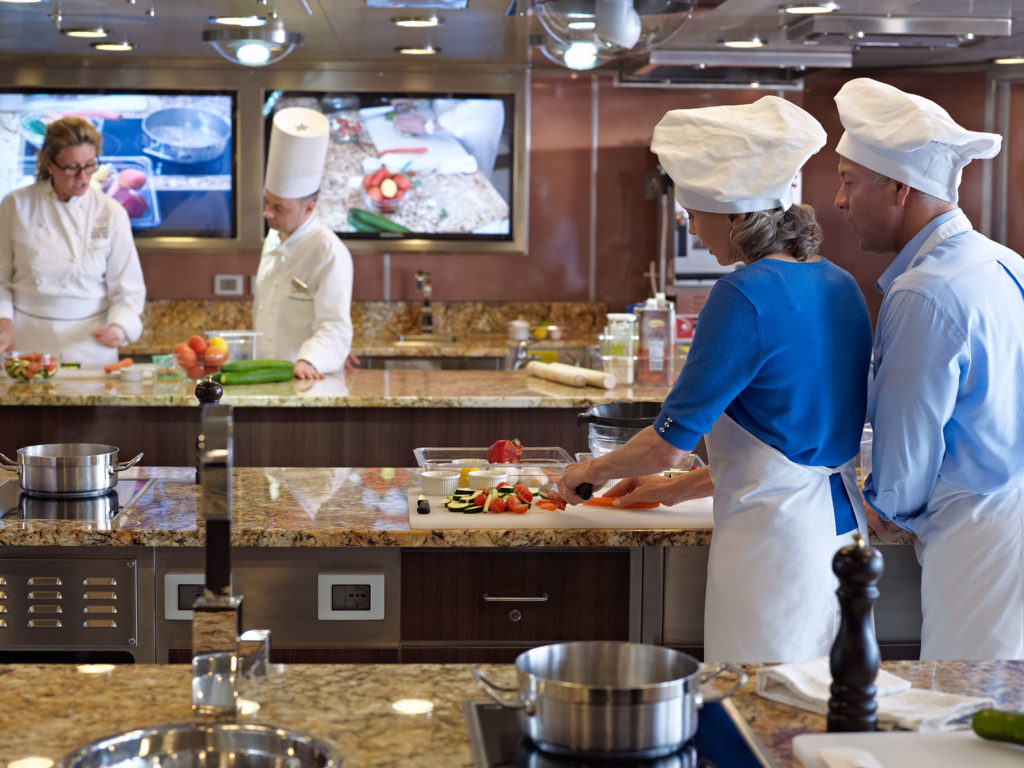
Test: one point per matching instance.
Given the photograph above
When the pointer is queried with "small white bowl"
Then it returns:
(131, 373)
(486, 478)
(439, 482)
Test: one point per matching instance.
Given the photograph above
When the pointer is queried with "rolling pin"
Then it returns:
(572, 375)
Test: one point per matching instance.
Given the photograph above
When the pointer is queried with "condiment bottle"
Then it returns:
(618, 346)
(657, 335)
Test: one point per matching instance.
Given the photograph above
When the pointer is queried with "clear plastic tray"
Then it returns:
(454, 458)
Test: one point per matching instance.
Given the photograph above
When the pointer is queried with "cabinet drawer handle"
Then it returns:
(492, 599)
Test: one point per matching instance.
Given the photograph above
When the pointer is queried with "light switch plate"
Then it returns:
(324, 591)
(228, 285)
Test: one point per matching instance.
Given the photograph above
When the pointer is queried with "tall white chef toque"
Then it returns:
(298, 149)
(737, 158)
(907, 137)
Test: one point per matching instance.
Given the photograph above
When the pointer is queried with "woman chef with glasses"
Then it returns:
(70, 279)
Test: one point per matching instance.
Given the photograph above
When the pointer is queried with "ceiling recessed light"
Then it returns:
(1009, 60)
(88, 32)
(754, 42)
(417, 22)
(239, 21)
(807, 9)
(423, 50)
(124, 45)
(21, 1)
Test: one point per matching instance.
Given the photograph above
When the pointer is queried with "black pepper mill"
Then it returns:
(854, 657)
(208, 392)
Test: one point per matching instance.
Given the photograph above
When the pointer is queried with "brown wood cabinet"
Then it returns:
(489, 604)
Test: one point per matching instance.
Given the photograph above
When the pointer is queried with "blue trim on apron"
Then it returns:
(842, 507)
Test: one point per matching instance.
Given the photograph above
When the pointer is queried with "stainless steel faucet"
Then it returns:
(427, 314)
(221, 656)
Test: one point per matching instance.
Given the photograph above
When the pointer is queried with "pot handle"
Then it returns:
(490, 688)
(707, 677)
(10, 466)
(120, 466)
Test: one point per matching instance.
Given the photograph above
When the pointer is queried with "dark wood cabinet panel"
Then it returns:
(461, 654)
(443, 596)
(290, 437)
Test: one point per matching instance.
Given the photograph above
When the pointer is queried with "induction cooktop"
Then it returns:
(15, 505)
(723, 740)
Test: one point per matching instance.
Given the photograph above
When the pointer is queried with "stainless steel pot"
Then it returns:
(67, 469)
(607, 699)
(185, 135)
(613, 424)
(97, 510)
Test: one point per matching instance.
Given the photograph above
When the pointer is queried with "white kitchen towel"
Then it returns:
(848, 757)
(805, 684)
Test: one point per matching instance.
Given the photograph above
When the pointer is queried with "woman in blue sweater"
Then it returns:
(776, 382)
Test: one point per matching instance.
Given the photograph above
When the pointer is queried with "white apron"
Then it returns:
(771, 592)
(973, 540)
(64, 325)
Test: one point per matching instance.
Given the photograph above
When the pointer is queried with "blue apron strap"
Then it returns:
(842, 507)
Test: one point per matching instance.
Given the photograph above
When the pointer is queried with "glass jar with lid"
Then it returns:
(618, 346)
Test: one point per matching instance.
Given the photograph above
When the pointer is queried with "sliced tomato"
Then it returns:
(503, 484)
(480, 499)
(523, 493)
(516, 506)
(497, 505)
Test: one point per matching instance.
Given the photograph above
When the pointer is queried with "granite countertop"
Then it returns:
(61, 707)
(349, 389)
(306, 507)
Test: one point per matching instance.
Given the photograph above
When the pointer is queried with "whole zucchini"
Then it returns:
(358, 225)
(373, 220)
(238, 366)
(261, 376)
(999, 725)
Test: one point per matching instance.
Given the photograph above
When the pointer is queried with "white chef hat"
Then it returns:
(907, 138)
(737, 158)
(298, 148)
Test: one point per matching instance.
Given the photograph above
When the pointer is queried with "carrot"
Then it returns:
(124, 362)
(409, 150)
(545, 504)
(609, 501)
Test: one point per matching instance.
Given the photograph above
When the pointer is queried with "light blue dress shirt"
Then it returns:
(947, 397)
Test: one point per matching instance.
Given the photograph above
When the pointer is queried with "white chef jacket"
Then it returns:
(67, 269)
(312, 323)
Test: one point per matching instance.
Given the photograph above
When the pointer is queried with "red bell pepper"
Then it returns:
(505, 452)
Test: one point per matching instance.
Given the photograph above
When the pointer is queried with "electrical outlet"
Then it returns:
(188, 594)
(351, 597)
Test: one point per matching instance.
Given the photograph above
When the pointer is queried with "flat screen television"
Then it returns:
(415, 166)
(180, 144)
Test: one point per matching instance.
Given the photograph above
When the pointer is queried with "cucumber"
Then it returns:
(473, 509)
(260, 376)
(458, 506)
(999, 725)
(238, 366)
(379, 223)
(358, 225)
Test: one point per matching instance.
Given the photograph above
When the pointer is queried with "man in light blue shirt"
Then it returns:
(946, 400)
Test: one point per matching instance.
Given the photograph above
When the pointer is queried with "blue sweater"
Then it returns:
(783, 348)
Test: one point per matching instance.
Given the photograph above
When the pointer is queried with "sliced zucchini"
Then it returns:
(473, 509)
(458, 506)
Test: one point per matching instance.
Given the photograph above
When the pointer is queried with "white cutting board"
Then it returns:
(909, 749)
(445, 154)
(689, 514)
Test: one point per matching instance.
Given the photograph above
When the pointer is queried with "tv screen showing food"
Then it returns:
(433, 166)
(166, 157)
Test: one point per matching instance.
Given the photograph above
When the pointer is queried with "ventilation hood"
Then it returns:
(897, 31)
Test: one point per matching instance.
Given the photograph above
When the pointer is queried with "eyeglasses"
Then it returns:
(74, 170)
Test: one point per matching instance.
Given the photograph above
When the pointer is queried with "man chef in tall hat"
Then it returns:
(304, 284)
(946, 399)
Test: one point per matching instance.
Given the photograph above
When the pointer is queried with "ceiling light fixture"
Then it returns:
(253, 46)
(122, 46)
(26, 2)
(422, 50)
(239, 21)
(608, 28)
(1007, 60)
(754, 42)
(809, 9)
(417, 22)
(86, 32)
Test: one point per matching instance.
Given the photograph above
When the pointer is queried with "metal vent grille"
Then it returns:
(83, 603)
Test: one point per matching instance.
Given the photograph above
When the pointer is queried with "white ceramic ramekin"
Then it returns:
(439, 482)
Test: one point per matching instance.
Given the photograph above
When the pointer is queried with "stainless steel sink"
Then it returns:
(198, 745)
(436, 338)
